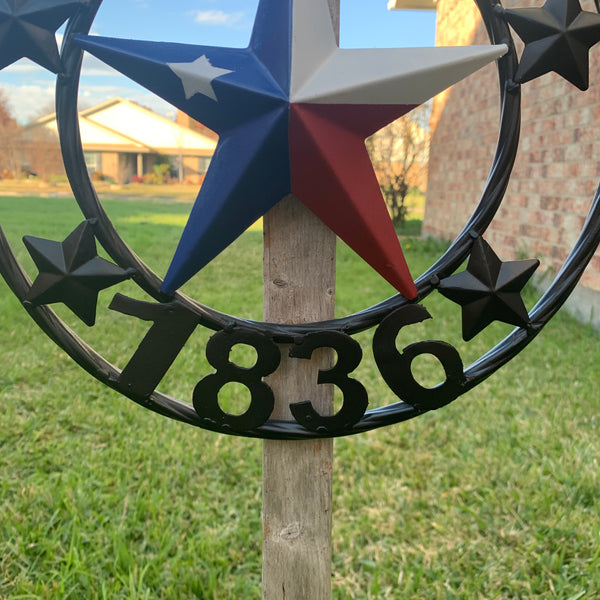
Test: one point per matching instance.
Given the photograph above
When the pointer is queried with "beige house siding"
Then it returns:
(130, 139)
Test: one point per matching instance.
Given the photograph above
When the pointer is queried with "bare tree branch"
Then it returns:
(399, 153)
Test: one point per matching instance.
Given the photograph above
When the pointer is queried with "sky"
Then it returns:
(364, 24)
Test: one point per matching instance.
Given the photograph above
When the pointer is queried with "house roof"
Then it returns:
(120, 125)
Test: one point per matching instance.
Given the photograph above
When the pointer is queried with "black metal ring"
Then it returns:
(493, 194)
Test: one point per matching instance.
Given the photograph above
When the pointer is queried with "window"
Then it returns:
(93, 161)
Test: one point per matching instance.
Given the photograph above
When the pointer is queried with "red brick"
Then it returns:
(555, 174)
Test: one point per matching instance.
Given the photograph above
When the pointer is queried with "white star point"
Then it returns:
(197, 76)
(406, 75)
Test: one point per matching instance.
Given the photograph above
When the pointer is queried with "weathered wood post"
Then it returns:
(299, 287)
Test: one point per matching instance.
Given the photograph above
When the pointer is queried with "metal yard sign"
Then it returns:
(292, 111)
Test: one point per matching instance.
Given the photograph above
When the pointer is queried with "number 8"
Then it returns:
(206, 392)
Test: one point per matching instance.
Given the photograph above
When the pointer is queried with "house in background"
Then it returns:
(556, 170)
(122, 139)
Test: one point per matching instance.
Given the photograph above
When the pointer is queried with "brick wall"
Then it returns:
(557, 167)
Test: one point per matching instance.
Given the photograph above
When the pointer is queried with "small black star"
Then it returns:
(557, 38)
(71, 272)
(489, 290)
(28, 28)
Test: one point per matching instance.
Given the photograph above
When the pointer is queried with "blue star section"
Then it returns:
(246, 91)
(28, 28)
(250, 106)
(274, 52)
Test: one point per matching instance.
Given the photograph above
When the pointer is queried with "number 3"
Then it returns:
(355, 395)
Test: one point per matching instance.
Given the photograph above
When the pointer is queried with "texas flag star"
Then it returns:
(292, 112)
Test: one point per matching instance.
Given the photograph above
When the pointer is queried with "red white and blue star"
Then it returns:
(292, 112)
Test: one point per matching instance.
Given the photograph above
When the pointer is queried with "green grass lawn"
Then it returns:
(493, 496)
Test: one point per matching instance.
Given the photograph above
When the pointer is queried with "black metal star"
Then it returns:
(28, 28)
(71, 272)
(489, 290)
(557, 38)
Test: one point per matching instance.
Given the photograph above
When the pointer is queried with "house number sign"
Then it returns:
(292, 112)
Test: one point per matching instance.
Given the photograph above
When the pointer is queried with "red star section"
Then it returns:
(331, 173)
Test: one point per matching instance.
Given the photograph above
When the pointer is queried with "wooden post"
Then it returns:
(299, 287)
